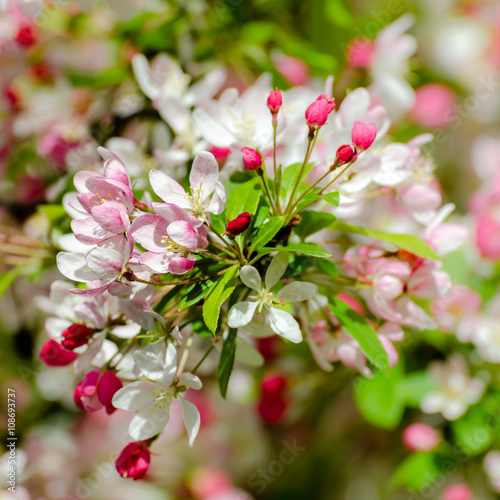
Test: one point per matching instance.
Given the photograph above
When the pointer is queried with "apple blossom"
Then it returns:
(134, 460)
(281, 322)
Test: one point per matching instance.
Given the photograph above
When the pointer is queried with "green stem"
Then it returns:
(311, 141)
(263, 182)
(205, 356)
(181, 282)
(336, 177)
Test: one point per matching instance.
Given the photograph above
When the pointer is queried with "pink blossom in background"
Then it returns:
(420, 437)
(457, 492)
(433, 106)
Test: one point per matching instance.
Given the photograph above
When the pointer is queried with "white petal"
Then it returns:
(284, 324)
(276, 269)
(241, 314)
(211, 130)
(149, 365)
(192, 419)
(74, 266)
(297, 291)
(134, 396)
(148, 422)
(251, 278)
(189, 380)
(204, 173)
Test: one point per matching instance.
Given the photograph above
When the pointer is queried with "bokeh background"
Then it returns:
(67, 86)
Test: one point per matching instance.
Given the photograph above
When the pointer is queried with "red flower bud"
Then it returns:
(363, 135)
(273, 401)
(274, 101)
(345, 154)
(26, 36)
(317, 112)
(54, 354)
(76, 335)
(96, 390)
(238, 225)
(134, 460)
(251, 158)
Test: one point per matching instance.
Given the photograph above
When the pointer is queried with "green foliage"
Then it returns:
(244, 198)
(310, 249)
(312, 222)
(216, 295)
(407, 242)
(226, 361)
(267, 232)
(379, 400)
(357, 327)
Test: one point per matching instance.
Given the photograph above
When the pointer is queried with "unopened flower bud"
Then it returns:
(26, 36)
(317, 112)
(274, 101)
(134, 460)
(251, 158)
(238, 225)
(54, 354)
(363, 135)
(76, 335)
(345, 154)
(420, 437)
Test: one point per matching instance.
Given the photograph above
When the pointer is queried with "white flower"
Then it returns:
(150, 399)
(457, 389)
(280, 321)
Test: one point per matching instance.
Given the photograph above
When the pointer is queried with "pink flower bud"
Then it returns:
(54, 354)
(363, 135)
(420, 437)
(108, 384)
(273, 404)
(345, 154)
(134, 460)
(251, 158)
(220, 154)
(317, 112)
(238, 225)
(274, 101)
(457, 492)
(360, 52)
(76, 335)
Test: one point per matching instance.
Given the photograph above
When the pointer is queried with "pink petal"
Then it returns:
(88, 231)
(109, 383)
(168, 189)
(183, 234)
(157, 262)
(112, 216)
(149, 230)
(204, 173)
(181, 265)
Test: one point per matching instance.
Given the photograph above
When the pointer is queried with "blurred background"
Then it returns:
(287, 429)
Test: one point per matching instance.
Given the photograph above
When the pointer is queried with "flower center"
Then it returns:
(172, 246)
(162, 397)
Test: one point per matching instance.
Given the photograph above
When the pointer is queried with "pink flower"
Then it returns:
(207, 193)
(360, 52)
(239, 225)
(169, 238)
(96, 390)
(345, 154)
(54, 354)
(209, 482)
(457, 492)
(55, 148)
(317, 112)
(363, 135)
(293, 69)
(26, 36)
(434, 103)
(273, 403)
(134, 460)
(420, 437)
(252, 159)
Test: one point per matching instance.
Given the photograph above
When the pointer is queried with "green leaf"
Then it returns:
(332, 198)
(378, 399)
(407, 242)
(8, 278)
(243, 198)
(310, 249)
(357, 327)
(217, 294)
(267, 232)
(161, 305)
(290, 178)
(226, 361)
(312, 222)
(328, 267)
(414, 387)
(417, 471)
(195, 293)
